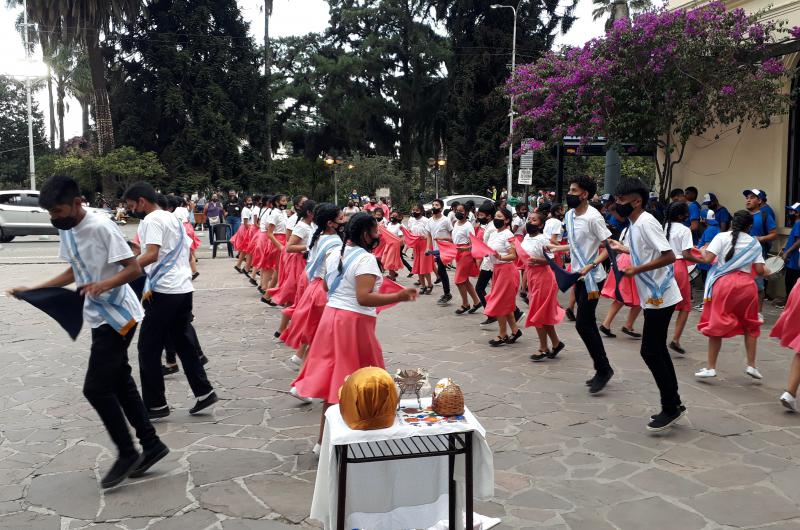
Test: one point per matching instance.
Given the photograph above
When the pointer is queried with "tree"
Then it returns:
(657, 81)
(14, 132)
(81, 22)
(80, 86)
(618, 9)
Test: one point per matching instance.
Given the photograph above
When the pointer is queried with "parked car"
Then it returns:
(21, 215)
(477, 199)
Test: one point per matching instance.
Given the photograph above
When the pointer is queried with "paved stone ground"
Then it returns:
(563, 458)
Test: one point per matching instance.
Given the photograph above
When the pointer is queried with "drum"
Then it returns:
(775, 265)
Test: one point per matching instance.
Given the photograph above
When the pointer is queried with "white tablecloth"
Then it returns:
(397, 494)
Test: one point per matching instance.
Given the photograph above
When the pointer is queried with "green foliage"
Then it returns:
(14, 133)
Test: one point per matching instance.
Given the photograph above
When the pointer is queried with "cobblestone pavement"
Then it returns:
(563, 458)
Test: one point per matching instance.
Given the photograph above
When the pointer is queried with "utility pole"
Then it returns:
(32, 161)
(619, 11)
(267, 76)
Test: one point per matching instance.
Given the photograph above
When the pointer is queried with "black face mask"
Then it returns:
(573, 201)
(417, 215)
(136, 215)
(499, 224)
(532, 229)
(461, 216)
(624, 210)
(395, 220)
(483, 220)
(436, 211)
(64, 223)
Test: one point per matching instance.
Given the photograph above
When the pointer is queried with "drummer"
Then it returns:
(790, 252)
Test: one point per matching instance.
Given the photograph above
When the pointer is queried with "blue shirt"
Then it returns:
(723, 216)
(694, 213)
(763, 223)
(708, 235)
(614, 222)
(793, 259)
(767, 208)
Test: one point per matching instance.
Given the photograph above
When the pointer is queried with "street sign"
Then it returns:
(526, 160)
(525, 177)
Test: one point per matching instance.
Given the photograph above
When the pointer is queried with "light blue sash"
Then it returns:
(109, 304)
(656, 290)
(324, 245)
(333, 278)
(748, 254)
(578, 259)
(160, 269)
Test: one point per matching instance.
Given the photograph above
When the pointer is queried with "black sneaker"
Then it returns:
(169, 369)
(590, 382)
(155, 414)
(149, 458)
(680, 408)
(444, 299)
(665, 420)
(120, 470)
(204, 403)
(517, 314)
(570, 314)
(489, 321)
(600, 381)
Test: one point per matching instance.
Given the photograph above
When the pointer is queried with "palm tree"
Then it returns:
(63, 64)
(267, 77)
(81, 22)
(618, 9)
(80, 86)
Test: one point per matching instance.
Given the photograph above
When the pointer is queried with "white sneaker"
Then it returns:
(705, 373)
(210, 247)
(317, 449)
(761, 317)
(294, 394)
(789, 401)
(753, 372)
(296, 360)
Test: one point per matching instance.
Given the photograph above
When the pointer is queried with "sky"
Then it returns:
(289, 17)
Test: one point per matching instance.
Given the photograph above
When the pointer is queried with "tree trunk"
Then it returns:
(50, 106)
(85, 133)
(102, 107)
(60, 94)
(267, 79)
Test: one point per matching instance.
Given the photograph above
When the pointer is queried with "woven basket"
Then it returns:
(450, 401)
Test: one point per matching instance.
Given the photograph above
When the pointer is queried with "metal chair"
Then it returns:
(222, 234)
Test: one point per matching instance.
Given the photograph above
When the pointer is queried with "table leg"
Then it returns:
(451, 485)
(341, 454)
(468, 472)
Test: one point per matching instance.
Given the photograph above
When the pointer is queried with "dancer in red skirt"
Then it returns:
(392, 242)
(731, 296)
(424, 263)
(630, 297)
(680, 239)
(544, 312)
(501, 301)
(787, 330)
(261, 243)
(345, 340)
(285, 296)
(307, 311)
(276, 234)
(466, 267)
(241, 239)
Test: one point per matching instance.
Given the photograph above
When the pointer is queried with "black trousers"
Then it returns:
(163, 314)
(656, 355)
(442, 271)
(404, 260)
(790, 278)
(112, 392)
(586, 326)
(169, 346)
(483, 282)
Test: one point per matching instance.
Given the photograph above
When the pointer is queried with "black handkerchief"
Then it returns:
(564, 279)
(64, 305)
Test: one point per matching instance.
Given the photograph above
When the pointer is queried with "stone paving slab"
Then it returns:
(563, 458)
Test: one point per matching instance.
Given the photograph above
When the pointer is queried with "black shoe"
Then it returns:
(195, 275)
(417, 284)
(149, 458)
(204, 403)
(590, 382)
(444, 299)
(262, 291)
(169, 369)
(513, 338)
(499, 341)
(517, 314)
(474, 308)
(411, 275)
(437, 280)
(556, 350)
(489, 321)
(269, 302)
(237, 269)
(252, 281)
(680, 408)
(524, 296)
(540, 356)
(570, 314)
(631, 333)
(600, 381)
(121, 469)
(203, 359)
(665, 420)
(461, 310)
(676, 347)
(277, 334)
(155, 414)
(607, 332)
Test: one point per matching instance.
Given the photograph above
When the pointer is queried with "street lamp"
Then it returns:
(333, 162)
(511, 105)
(436, 165)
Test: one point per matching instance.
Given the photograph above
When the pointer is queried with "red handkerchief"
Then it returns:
(388, 287)
(480, 249)
(447, 251)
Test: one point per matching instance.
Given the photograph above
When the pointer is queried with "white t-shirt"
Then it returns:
(312, 255)
(721, 244)
(646, 236)
(162, 228)
(291, 222)
(303, 231)
(101, 246)
(277, 217)
(247, 215)
(182, 214)
(254, 213)
(680, 239)
(439, 228)
(488, 229)
(499, 241)
(345, 295)
(535, 246)
(590, 230)
(418, 227)
(461, 233)
(518, 224)
(394, 228)
(553, 227)
(263, 218)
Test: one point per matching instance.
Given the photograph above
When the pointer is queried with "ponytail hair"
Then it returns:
(675, 210)
(308, 207)
(742, 221)
(323, 214)
(357, 226)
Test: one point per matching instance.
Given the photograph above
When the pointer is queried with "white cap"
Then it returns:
(710, 215)
(654, 195)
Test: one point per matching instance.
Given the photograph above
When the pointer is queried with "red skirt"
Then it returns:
(542, 297)
(423, 264)
(272, 254)
(302, 284)
(292, 267)
(627, 287)
(787, 328)
(306, 315)
(193, 235)
(241, 239)
(505, 284)
(260, 249)
(345, 342)
(391, 258)
(466, 267)
(682, 277)
(733, 308)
